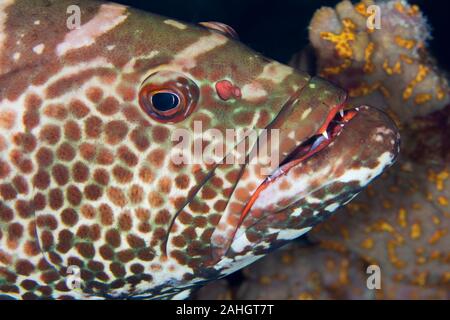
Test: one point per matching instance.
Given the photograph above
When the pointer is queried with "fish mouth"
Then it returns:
(334, 124)
(362, 141)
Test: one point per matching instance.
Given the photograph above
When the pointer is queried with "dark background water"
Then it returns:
(278, 28)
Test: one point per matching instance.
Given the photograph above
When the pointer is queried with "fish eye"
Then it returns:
(165, 101)
(168, 96)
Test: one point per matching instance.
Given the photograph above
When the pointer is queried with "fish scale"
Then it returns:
(86, 174)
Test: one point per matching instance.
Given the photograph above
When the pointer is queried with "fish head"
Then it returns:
(145, 133)
(242, 202)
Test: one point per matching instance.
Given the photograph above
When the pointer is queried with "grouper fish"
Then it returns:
(92, 203)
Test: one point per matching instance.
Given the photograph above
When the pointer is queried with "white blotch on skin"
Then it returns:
(332, 207)
(384, 130)
(186, 59)
(228, 266)
(16, 56)
(276, 72)
(39, 48)
(289, 234)
(310, 199)
(378, 138)
(108, 17)
(182, 295)
(175, 24)
(253, 91)
(364, 174)
(129, 67)
(240, 243)
(306, 113)
(297, 212)
(37, 22)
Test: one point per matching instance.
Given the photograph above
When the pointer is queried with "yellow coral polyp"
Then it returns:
(414, 10)
(405, 43)
(438, 234)
(397, 68)
(443, 201)
(440, 93)
(402, 217)
(421, 279)
(420, 76)
(341, 41)
(446, 277)
(443, 175)
(363, 90)
(409, 10)
(415, 231)
(422, 98)
(337, 69)
(407, 59)
(399, 7)
(362, 9)
(391, 246)
(305, 296)
(343, 274)
(438, 178)
(367, 243)
(369, 66)
(436, 220)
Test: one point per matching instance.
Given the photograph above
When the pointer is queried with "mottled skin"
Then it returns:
(86, 177)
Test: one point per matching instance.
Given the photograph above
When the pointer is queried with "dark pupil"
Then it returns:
(164, 101)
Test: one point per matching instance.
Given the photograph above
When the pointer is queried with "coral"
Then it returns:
(216, 290)
(401, 224)
(387, 67)
(305, 273)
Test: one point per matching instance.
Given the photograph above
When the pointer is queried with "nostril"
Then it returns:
(227, 90)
